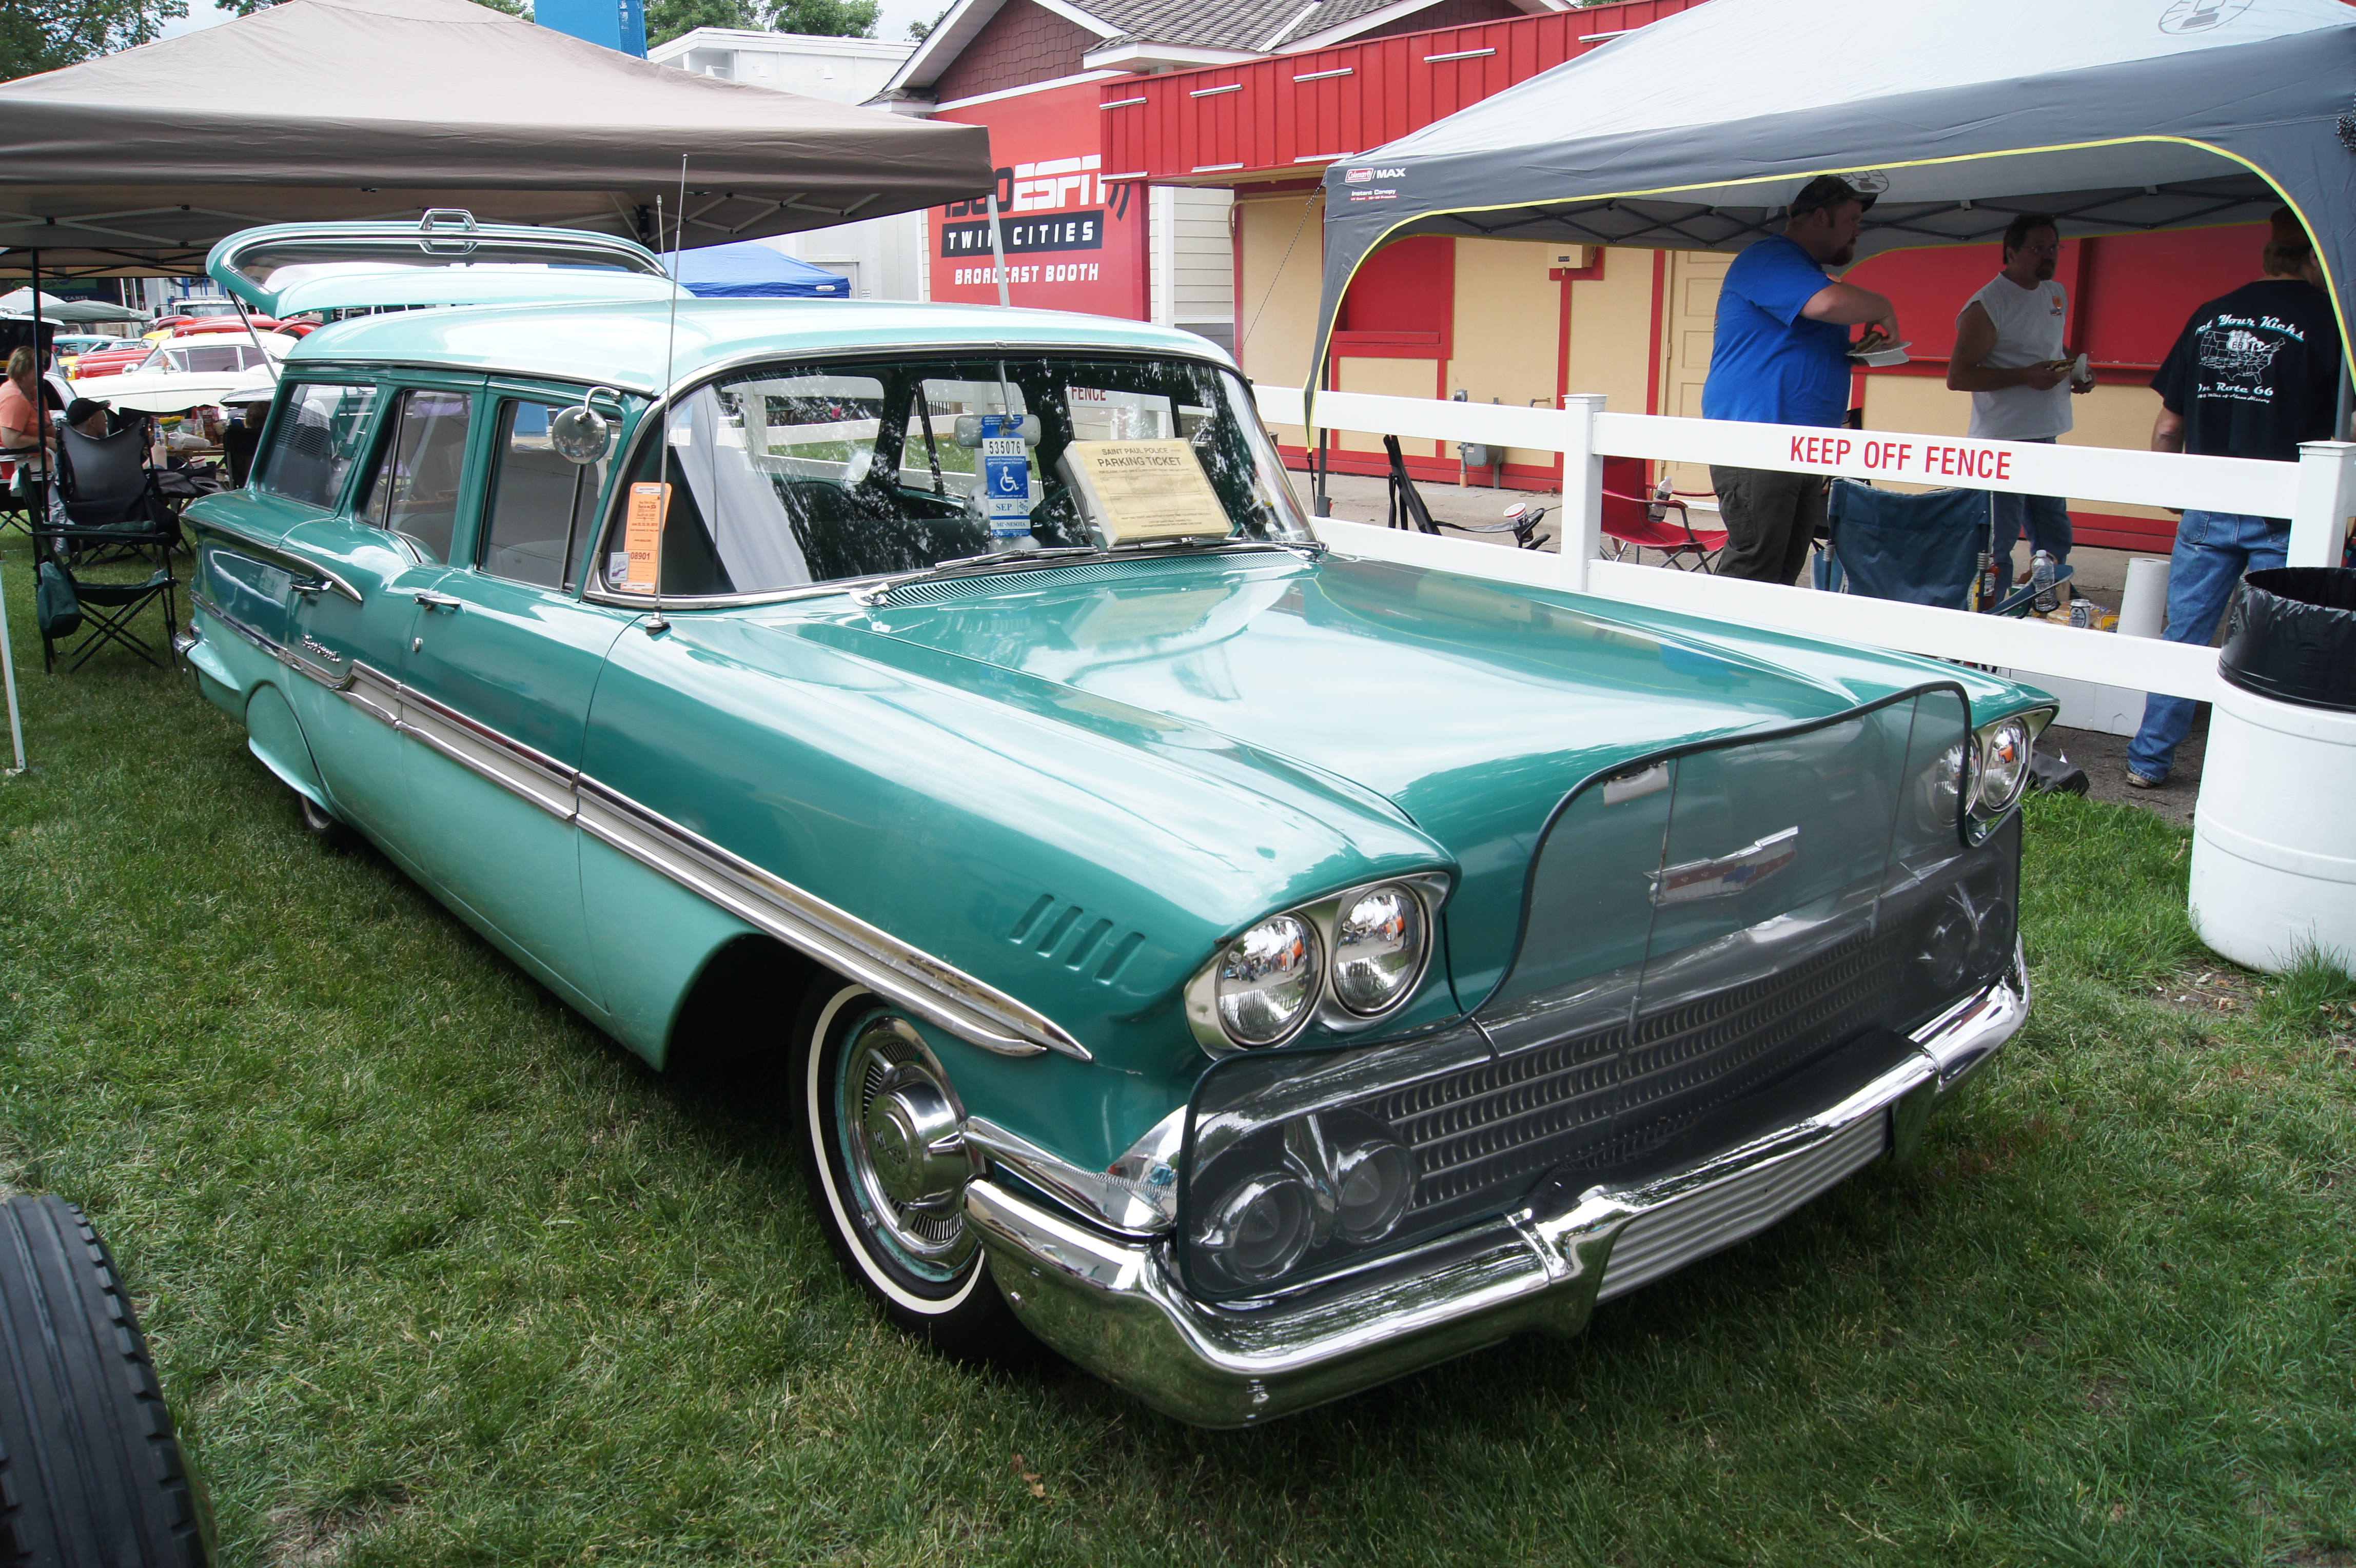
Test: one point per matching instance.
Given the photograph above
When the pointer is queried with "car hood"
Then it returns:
(1473, 707)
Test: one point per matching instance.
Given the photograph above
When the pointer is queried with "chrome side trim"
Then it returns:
(1110, 1197)
(1113, 1302)
(304, 566)
(933, 990)
(531, 775)
(938, 991)
(335, 681)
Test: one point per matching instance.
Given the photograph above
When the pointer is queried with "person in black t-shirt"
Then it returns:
(2253, 375)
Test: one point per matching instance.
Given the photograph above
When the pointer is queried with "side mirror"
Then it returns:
(581, 434)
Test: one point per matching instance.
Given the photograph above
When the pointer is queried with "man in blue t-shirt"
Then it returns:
(1780, 357)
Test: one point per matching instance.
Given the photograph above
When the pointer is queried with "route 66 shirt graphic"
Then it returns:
(2255, 373)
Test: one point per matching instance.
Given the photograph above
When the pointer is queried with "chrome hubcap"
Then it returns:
(907, 1158)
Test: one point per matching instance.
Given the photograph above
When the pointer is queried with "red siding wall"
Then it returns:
(1278, 123)
(2129, 294)
(1402, 303)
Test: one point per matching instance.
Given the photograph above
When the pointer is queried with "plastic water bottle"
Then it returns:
(2041, 579)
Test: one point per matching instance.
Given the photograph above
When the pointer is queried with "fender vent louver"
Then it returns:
(1075, 937)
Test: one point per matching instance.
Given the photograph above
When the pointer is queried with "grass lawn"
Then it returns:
(435, 1273)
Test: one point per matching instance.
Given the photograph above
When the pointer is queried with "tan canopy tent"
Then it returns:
(134, 164)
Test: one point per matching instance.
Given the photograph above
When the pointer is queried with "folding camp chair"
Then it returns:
(1407, 509)
(99, 613)
(1930, 549)
(111, 501)
(1646, 524)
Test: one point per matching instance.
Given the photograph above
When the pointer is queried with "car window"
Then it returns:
(210, 356)
(785, 476)
(414, 490)
(536, 495)
(316, 440)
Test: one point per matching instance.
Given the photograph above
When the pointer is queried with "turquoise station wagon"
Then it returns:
(1255, 971)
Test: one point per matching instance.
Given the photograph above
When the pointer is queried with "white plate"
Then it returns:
(1894, 354)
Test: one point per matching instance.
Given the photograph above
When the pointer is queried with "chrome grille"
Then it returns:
(1605, 1098)
(1720, 1215)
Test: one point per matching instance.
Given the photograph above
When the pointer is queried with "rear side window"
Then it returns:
(212, 357)
(414, 491)
(539, 500)
(315, 442)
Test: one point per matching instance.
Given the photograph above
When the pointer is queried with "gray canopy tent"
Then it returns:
(135, 163)
(2120, 116)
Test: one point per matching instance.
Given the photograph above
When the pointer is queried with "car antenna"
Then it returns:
(670, 364)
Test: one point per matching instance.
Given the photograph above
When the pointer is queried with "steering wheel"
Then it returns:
(1058, 493)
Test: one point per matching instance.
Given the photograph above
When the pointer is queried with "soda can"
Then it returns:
(2082, 612)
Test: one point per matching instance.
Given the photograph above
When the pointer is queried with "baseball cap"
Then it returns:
(81, 408)
(1827, 190)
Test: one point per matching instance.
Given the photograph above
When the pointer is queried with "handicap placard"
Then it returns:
(1005, 476)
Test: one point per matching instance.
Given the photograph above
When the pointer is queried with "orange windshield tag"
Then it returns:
(642, 538)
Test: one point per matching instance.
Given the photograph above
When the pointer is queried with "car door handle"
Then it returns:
(440, 602)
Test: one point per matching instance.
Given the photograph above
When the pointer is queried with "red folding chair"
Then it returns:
(1646, 524)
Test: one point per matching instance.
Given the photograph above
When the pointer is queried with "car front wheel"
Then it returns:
(887, 1169)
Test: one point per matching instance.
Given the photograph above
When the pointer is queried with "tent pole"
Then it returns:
(41, 430)
(8, 670)
(1321, 504)
(998, 247)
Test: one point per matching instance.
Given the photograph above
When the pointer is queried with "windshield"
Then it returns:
(787, 475)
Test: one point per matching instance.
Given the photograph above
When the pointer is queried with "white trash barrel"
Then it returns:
(2274, 837)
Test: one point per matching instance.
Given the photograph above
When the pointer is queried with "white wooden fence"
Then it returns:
(2317, 494)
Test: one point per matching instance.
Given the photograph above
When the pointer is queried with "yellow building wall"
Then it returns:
(1507, 321)
(1275, 298)
(1611, 331)
(1507, 337)
(1388, 378)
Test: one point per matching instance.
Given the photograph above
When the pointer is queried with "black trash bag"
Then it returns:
(2050, 775)
(2291, 635)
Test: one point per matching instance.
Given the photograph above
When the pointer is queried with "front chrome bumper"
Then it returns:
(1111, 1303)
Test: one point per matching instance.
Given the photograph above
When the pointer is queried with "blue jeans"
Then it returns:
(2212, 549)
(2045, 518)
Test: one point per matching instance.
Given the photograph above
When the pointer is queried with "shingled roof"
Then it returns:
(1147, 35)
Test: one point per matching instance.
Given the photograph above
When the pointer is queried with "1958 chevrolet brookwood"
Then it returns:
(1256, 971)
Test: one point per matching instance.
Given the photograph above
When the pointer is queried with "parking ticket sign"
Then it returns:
(1005, 476)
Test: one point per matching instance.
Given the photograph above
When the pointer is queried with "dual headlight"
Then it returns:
(1356, 957)
(1334, 1182)
(1996, 770)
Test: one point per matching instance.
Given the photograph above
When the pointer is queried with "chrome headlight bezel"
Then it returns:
(1429, 890)
(1985, 762)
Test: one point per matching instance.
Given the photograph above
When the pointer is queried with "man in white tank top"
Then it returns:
(2010, 356)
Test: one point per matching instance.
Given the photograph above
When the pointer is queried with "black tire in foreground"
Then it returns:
(90, 1473)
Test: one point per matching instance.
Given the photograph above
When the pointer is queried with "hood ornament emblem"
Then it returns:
(1727, 873)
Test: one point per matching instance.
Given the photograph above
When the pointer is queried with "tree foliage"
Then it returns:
(44, 35)
(826, 18)
(667, 19)
(248, 8)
